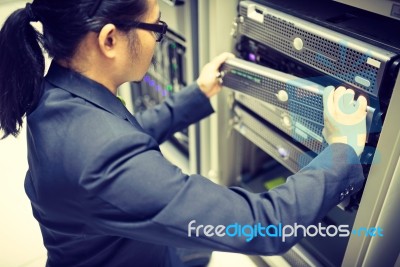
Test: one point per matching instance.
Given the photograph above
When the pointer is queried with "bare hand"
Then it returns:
(208, 82)
(345, 119)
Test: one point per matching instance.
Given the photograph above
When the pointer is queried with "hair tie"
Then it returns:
(29, 13)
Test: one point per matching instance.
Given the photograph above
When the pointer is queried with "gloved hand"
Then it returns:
(344, 118)
(208, 82)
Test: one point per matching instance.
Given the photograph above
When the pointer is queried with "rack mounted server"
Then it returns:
(291, 52)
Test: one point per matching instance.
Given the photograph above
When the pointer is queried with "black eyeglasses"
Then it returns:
(160, 28)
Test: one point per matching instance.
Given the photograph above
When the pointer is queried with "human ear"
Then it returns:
(107, 40)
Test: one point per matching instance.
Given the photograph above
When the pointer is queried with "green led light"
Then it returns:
(169, 87)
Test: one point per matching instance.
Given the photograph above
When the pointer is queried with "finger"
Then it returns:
(348, 105)
(328, 99)
(217, 61)
(362, 105)
(338, 101)
(328, 95)
(348, 97)
(338, 95)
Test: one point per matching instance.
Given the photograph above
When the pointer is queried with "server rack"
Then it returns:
(231, 155)
(176, 65)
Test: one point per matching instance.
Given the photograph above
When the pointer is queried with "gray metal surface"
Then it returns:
(183, 20)
(285, 91)
(270, 141)
(225, 145)
(301, 99)
(307, 132)
(341, 56)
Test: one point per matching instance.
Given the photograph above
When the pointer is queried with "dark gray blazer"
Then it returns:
(104, 195)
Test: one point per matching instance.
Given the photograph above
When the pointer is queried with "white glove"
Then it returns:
(345, 119)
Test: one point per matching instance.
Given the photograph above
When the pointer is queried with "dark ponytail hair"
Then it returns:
(65, 24)
(21, 70)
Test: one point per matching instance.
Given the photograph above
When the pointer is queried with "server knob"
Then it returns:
(286, 121)
(298, 44)
(282, 96)
(284, 153)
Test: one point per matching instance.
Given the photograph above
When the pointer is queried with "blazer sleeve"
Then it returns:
(133, 192)
(175, 113)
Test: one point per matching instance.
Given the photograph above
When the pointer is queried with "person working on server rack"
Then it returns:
(100, 189)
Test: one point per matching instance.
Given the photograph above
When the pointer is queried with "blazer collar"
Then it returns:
(85, 88)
